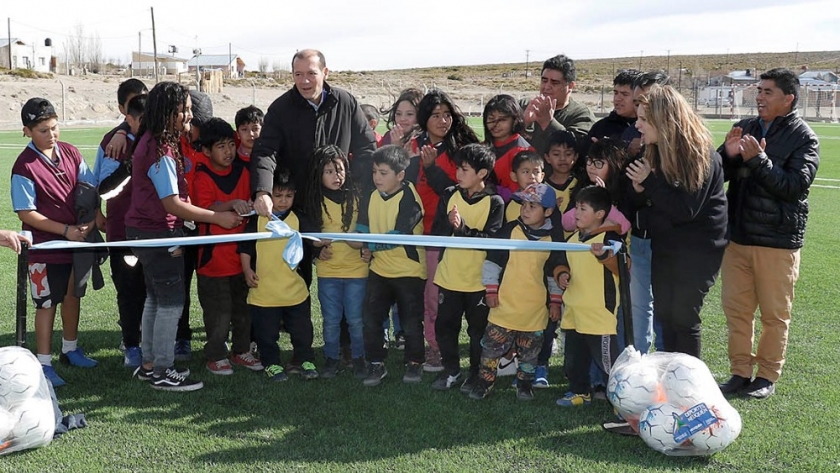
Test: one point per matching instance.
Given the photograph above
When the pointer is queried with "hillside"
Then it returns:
(91, 99)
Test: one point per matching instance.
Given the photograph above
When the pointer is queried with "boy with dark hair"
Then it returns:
(516, 321)
(248, 122)
(44, 178)
(469, 209)
(114, 177)
(397, 273)
(265, 271)
(591, 296)
(223, 184)
(527, 170)
(561, 157)
(372, 115)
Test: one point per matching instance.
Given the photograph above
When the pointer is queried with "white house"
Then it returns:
(231, 65)
(818, 78)
(143, 63)
(25, 56)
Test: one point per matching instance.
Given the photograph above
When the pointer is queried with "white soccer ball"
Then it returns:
(34, 425)
(657, 425)
(719, 435)
(20, 376)
(7, 422)
(633, 388)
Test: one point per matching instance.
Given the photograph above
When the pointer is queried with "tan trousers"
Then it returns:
(758, 277)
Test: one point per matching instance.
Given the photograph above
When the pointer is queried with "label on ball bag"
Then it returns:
(692, 421)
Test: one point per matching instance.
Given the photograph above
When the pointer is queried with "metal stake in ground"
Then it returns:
(22, 282)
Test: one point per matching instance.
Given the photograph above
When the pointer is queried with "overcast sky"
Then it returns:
(361, 35)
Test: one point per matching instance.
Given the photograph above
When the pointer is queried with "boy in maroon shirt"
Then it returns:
(44, 177)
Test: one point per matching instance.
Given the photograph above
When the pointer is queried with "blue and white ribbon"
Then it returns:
(294, 249)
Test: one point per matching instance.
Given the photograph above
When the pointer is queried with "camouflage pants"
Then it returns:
(498, 341)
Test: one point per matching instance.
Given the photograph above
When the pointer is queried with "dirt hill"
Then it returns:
(91, 99)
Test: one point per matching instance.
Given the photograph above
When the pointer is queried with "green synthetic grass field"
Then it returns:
(243, 423)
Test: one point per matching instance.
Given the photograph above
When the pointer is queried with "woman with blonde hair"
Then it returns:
(680, 177)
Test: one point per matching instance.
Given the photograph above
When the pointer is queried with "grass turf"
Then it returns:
(244, 423)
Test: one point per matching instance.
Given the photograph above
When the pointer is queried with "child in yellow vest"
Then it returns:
(591, 295)
(278, 295)
(521, 293)
(469, 209)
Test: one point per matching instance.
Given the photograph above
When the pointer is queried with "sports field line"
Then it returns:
(825, 187)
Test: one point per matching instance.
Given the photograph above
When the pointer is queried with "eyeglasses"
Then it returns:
(492, 123)
(596, 163)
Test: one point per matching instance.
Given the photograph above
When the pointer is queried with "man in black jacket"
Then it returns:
(624, 111)
(770, 162)
(310, 115)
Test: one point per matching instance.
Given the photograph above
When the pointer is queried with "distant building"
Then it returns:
(745, 77)
(25, 56)
(230, 65)
(819, 78)
(143, 64)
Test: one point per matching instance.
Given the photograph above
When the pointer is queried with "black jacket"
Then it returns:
(292, 130)
(680, 221)
(612, 126)
(768, 195)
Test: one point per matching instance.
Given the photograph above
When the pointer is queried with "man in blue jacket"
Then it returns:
(770, 162)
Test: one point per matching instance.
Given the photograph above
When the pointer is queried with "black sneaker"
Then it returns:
(481, 389)
(399, 341)
(376, 373)
(330, 369)
(734, 385)
(413, 373)
(174, 381)
(143, 374)
(146, 375)
(760, 388)
(467, 387)
(446, 381)
(360, 369)
(524, 391)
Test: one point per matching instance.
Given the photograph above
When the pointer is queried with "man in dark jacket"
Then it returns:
(310, 115)
(623, 114)
(554, 109)
(770, 162)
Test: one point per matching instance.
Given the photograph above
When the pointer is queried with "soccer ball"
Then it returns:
(685, 380)
(7, 422)
(34, 425)
(20, 376)
(657, 425)
(719, 435)
(633, 388)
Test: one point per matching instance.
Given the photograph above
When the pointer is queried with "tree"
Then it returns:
(262, 66)
(75, 46)
(95, 54)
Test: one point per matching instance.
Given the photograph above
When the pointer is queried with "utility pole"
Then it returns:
(9, 35)
(641, 53)
(154, 44)
(527, 60)
(668, 67)
(679, 81)
(230, 60)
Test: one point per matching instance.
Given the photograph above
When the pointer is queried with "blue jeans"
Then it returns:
(164, 276)
(342, 297)
(641, 293)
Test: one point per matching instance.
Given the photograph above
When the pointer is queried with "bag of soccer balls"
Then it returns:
(27, 415)
(673, 402)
